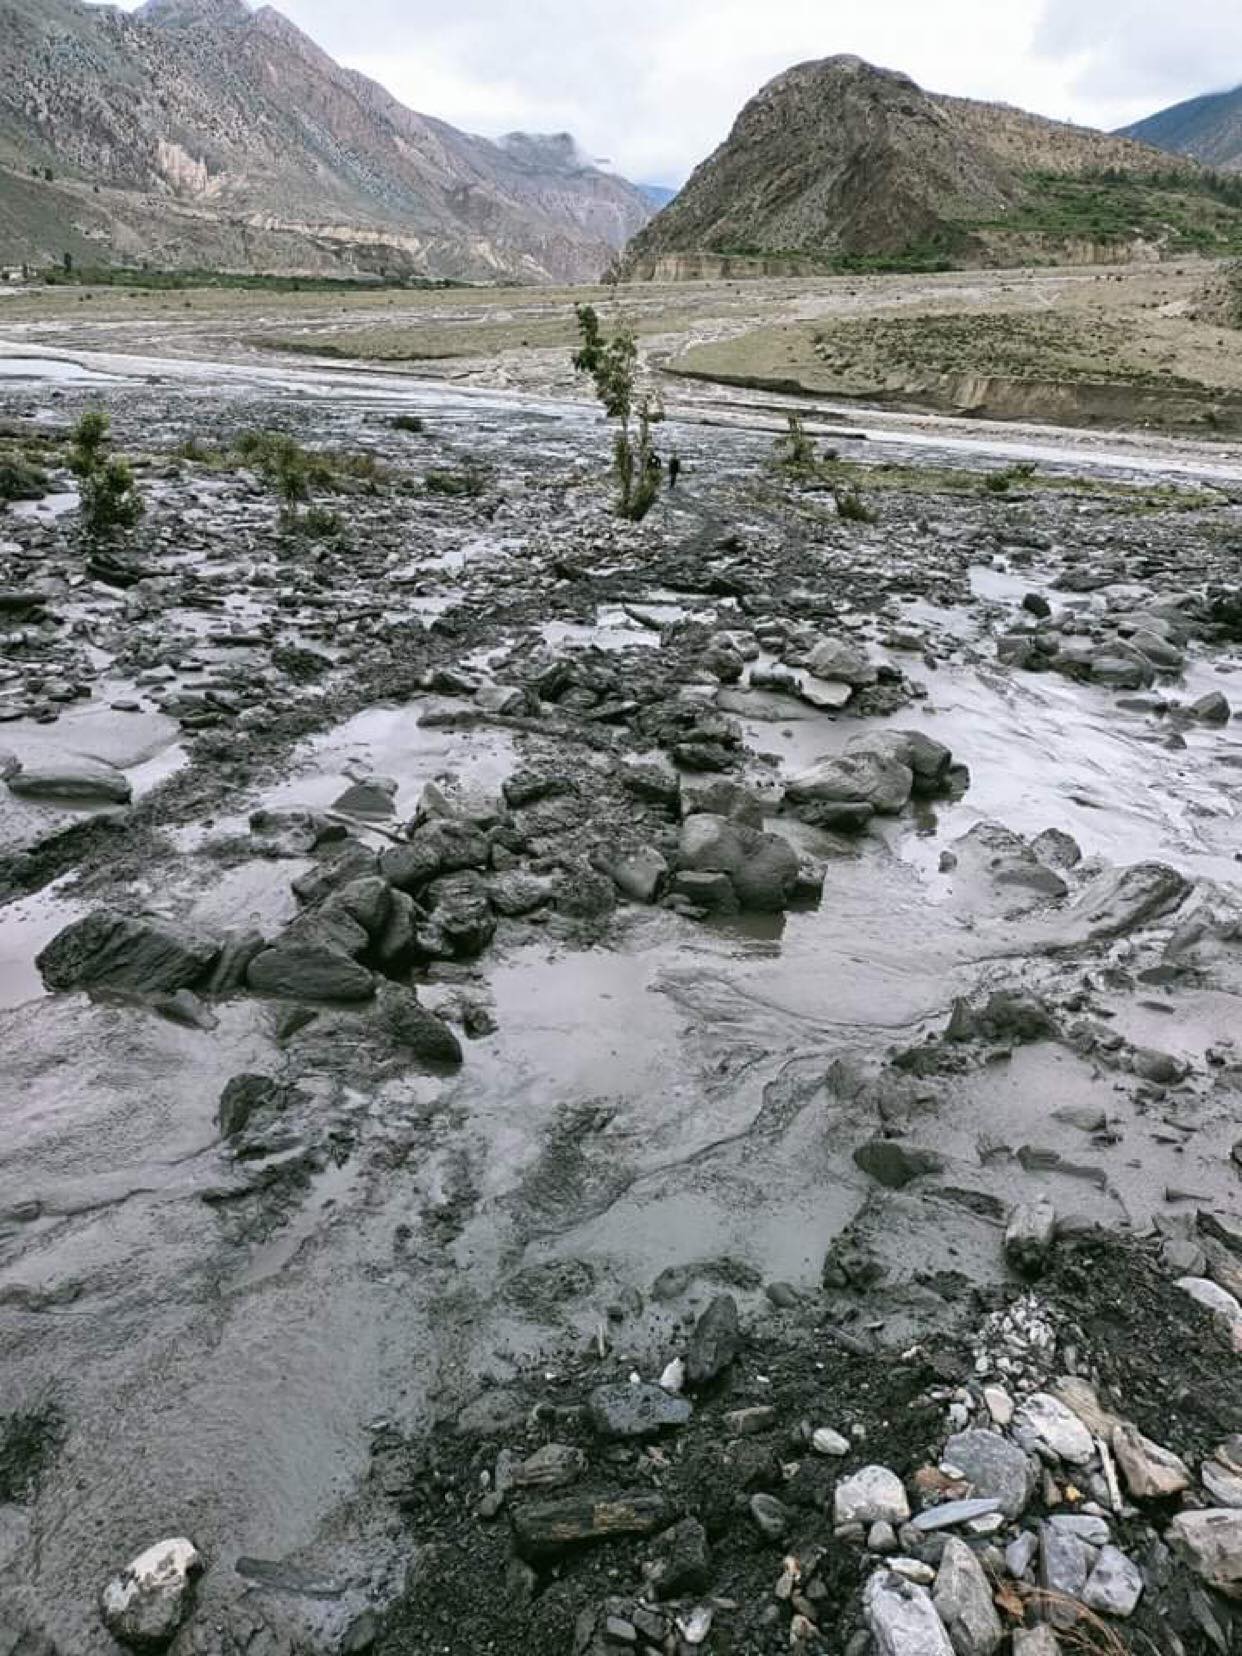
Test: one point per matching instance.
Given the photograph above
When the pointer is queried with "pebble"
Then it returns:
(870, 1495)
(1043, 1423)
(827, 1442)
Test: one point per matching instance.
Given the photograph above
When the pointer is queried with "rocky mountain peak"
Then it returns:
(183, 14)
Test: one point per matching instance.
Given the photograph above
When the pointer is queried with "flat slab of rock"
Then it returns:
(625, 1411)
(309, 971)
(1211, 1543)
(147, 1602)
(1044, 1424)
(112, 951)
(963, 1600)
(71, 777)
(548, 1527)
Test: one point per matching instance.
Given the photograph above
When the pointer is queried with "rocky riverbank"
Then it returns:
(585, 1087)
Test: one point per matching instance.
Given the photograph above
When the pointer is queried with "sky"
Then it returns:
(650, 87)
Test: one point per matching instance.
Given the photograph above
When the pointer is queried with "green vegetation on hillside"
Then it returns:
(1182, 211)
(178, 281)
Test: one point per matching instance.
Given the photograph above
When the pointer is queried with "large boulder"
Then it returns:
(864, 779)
(838, 661)
(147, 1602)
(412, 1027)
(73, 778)
(995, 1469)
(929, 759)
(762, 868)
(106, 950)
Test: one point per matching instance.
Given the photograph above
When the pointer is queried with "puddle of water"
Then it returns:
(29, 924)
(48, 509)
(328, 1192)
(388, 741)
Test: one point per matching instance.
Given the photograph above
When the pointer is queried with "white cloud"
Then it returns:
(654, 85)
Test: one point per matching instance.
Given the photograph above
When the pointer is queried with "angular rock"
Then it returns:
(714, 1342)
(994, 1467)
(147, 1602)
(1211, 1544)
(626, 1410)
(762, 868)
(1036, 1641)
(902, 1618)
(680, 1563)
(106, 950)
(869, 1496)
(1044, 1424)
(1115, 1586)
(836, 659)
(413, 1027)
(1064, 1563)
(951, 1513)
(1151, 1473)
(894, 1164)
(885, 785)
(1029, 1237)
(309, 971)
(929, 759)
(963, 1599)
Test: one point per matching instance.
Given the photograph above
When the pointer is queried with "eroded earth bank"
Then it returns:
(573, 1087)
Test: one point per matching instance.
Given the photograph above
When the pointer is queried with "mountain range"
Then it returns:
(1208, 128)
(202, 134)
(838, 162)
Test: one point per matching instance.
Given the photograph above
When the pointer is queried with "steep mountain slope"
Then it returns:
(1208, 128)
(838, 161)
(198, 132)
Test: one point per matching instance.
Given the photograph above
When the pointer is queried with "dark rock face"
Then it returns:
(309, 971)
(416, 1029)
(108, 951)
(636, 1411)
(715, 1342)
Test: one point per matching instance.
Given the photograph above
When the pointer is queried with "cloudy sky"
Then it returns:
(653, 85)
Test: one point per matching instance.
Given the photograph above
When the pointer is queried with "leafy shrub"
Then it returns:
(852, 506)
(468, 484)
(110, 501)
(408, 422)
(612, 365)
(319, 523)
(19, 480)
(793, 450)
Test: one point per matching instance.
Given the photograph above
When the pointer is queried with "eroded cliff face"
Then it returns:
(179, 131)
(839, 159)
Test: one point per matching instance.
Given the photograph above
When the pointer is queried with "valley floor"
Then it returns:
(789, 959)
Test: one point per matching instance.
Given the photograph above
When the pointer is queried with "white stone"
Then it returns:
(1212, 1295)
(674, 1377)
(828, 1442)
(868, 1496)
(913, 1569)
(1042, 1422)
(1000, 1404)
(145, 1605)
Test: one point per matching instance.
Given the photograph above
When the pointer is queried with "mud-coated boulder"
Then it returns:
(841, 662)
(412, 1027)
(73, 778)
(929, 759)
(106, 950)
(762, 868)
(869, 779)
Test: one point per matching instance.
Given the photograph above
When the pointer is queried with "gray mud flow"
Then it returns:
(1021, 972)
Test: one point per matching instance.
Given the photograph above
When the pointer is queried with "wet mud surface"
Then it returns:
(592, 954)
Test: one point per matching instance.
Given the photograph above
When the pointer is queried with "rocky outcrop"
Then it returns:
(226, 138)
(837, 159)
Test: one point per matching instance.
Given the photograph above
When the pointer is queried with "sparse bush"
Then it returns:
(852, 506)
(19, 480)
(408, 422)
(1000, 482)
(320, 523)
(612, 364)
(466, 484)
(110, 501)
(793, 450)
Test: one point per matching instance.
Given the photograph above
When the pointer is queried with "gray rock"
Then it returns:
(717, 796)
(714, 1342)
(1064, 1563)
(1029, 1237)
(869, 1496)
(680, 1562)
(106, 950)
(929, 759)
(413, 1027)
(1115, 1586)
(1045, 1425)
(894, 1164)
(1021, 1554)
(994, 1467)
(1211, 709)
(307, 970)
(639, 875)
(147, 1602)
(372, 799)
(1211, 1544)
(902, 1618)
(762, 868)
(1094, 1531)
(552, 1467)
(963, 1599)
(626, 1410)
(951, 1513)
(71, 777)
(884, 785)
(837, 659)
(1036, 1641)
(770, 1515)
(1222, 1483)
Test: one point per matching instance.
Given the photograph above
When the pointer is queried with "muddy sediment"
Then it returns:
(448, 953)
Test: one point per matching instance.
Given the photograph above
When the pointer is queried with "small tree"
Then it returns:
(110, 501)
(794, 450)
(613, 366)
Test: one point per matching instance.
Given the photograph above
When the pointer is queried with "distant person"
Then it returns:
(674, 470)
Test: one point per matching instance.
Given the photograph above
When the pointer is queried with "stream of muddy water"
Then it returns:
(220, 1333)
